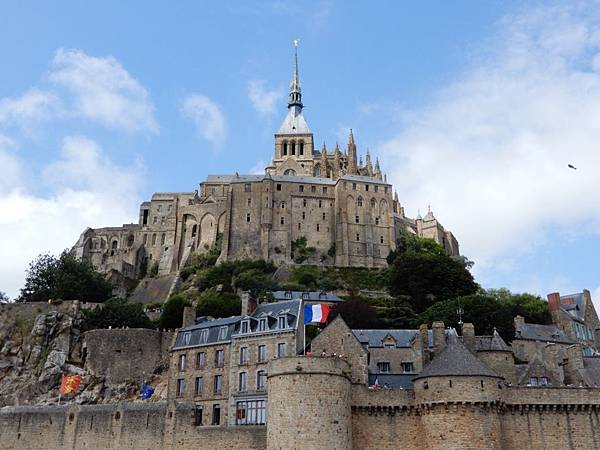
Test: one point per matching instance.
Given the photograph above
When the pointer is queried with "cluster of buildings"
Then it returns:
(222, 365)
(343, 206)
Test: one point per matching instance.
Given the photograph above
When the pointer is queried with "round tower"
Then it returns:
(459, 397)
(309, 403)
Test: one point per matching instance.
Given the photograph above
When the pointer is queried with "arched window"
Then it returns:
(317, 170)
(154, 239)
(290, 172)
(145, 239)
(301, 148)
(359, 202)
(194, 230)
(114, 244)
(293, 150)
(162, 239)
(373, 203)
(130, 240)
(285, 148)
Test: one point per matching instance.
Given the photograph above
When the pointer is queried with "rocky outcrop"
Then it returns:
(34, 354)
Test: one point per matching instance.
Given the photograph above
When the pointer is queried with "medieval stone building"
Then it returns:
(331, 202)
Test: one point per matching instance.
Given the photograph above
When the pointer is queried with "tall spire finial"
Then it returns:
(295, 91)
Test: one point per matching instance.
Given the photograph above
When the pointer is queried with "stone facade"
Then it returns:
(344, 208)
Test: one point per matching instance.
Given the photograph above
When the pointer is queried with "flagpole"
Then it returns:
(304, 345)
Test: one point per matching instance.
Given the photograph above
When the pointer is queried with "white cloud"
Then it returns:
(258, 168)
(263, 100)
(84, 189)
(490, 152)
(104, 91)
(32, 106)
(207, 116)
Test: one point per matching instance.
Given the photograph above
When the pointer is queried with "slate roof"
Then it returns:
(294, 123)
(394, 381)
(374, 338)
(573, 304)
(290, 309)
(361, 178)
(493, 343)
(455, 360)
(545, 333)
(307, 296)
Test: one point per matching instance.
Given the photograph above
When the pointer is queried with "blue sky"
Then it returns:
(473, 107)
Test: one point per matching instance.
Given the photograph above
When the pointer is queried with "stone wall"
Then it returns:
(124, 426)
(27, 312)
(131, 354)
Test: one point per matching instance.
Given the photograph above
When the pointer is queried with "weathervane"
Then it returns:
(296, 42)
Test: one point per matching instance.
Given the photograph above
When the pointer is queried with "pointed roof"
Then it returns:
(493, 343)
(456, 361)
(294, 122)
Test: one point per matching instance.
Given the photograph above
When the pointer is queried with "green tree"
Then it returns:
(357, 314)
(116, 313)
(218, 304)
(4, 298)
(66, 278)
(77, 279)
(426, 275)
(171, 316)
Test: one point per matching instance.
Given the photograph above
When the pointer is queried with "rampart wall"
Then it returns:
(121, 355)
(119, 426)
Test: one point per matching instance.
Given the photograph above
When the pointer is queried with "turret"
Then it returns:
(352, 159)
(337, 161)
(368, 164)
(459, 398)
(323, 161)
(378, 174)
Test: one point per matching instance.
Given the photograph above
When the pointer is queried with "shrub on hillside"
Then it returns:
(171, 316)
(116, 313)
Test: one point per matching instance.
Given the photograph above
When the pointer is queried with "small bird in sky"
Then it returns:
(571, 166)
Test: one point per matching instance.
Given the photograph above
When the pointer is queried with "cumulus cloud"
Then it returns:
(490, 152)
(34, 105)
(103, 91)
(84, 188)
(207, 116)
(263, 100)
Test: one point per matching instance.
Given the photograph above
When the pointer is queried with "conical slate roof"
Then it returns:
(493, 343)
(456, 360)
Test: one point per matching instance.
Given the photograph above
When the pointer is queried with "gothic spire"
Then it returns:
(295, 98)
(352, 168)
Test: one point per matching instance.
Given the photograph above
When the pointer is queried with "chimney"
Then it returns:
(468, 335)
(574, 365)
(439, 337)
(424, 335)
(189, 316)
(248, 303)
(554, 306)
(519, 324)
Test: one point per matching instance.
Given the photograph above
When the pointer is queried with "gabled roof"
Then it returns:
(294, 123)
(574, 304)
(374, 338)
(455, 360)
(545, 333)
(493, 343)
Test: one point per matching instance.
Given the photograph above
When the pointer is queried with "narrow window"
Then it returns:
(318, 227)
(223, 333)
(356, 219)
(218, 384)
(301, 188)
(244, 355)
(320, 203)
(153, 240)
(281, 322)
(180, 387)
(376, 188)
(381, 239)
(219, 358)
(199, 385)
(262, 325)
(303, 215)
(243, 382)
(198, 416)
(261, 380)
(200, 360)
(293, 151)
(313, 189)
(324, 189)
(247, 187)
(282, 220)
(249, 201)
(216, 419)
(285, 149)
(324, 215)
(304, 203)
(187, 336)
(299, 226)
(145, 217)
(248, 217)
(357, 237)
(281, 350)
(278, 187)
(204, 336)
(353, 186)
(366, 187)
(181, 364)
(262, 353)
(301, 148)
(162, 239)
(359, 202)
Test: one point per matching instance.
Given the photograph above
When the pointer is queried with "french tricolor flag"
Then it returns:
(315, 313)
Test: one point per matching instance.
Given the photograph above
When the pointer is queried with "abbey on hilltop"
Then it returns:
(335, 208)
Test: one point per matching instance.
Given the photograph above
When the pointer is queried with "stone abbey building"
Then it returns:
(344, 208)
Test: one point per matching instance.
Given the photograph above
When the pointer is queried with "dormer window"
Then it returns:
(281, 322)
(288, 294)
(204, 335)
(186, 337)
(245, 326)
(262, 324)
(305, 295)
(222, 333)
